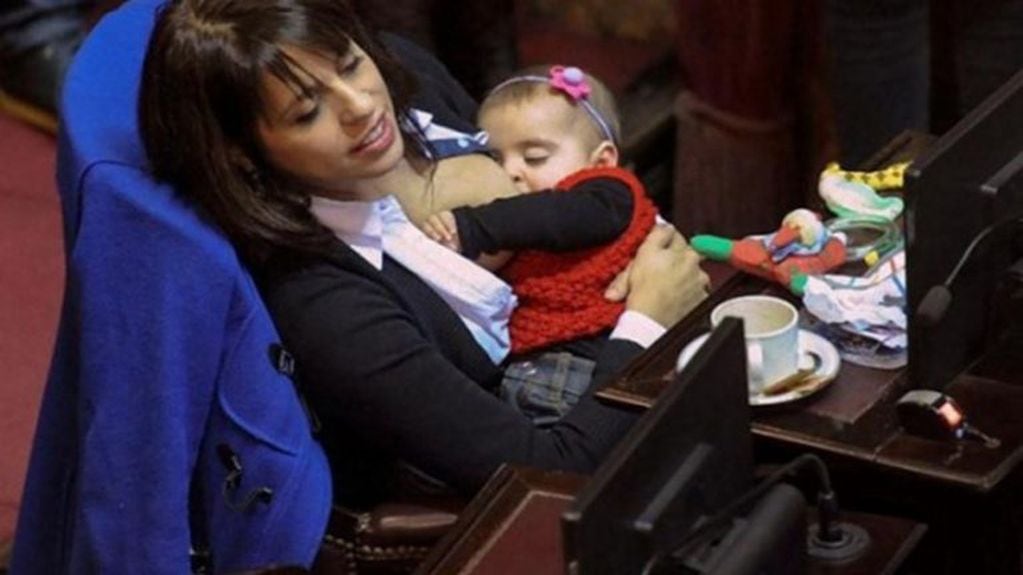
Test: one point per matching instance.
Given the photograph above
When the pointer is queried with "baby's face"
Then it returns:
(536, 141)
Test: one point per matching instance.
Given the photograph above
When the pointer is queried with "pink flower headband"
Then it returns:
(572, 82)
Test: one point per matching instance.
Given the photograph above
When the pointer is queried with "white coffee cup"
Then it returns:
(772, 336)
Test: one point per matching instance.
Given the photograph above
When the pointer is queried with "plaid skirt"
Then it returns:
(547, 386)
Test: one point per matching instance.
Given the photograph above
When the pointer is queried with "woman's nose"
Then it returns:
(354, 104)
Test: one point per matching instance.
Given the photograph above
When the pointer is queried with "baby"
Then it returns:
(580, 219)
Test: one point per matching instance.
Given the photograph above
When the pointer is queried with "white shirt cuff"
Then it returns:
(637, 328)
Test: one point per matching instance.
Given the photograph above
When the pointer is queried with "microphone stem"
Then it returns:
(973, 245)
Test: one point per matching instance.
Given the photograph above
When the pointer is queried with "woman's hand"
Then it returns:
(664, 281)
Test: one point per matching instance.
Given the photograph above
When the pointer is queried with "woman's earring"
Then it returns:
(248, 171)
(254, 179)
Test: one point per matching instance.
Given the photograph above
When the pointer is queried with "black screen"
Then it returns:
(962, 184)
(687, 457)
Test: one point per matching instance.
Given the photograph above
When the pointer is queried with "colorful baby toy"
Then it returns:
(802, 246)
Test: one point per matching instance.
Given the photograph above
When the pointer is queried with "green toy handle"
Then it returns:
(713, 247)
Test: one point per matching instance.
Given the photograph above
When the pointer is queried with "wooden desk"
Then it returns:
(514, 526)
(874, 437)
(966, 492)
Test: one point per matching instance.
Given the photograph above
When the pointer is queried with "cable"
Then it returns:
(935, 302)
(973, 245)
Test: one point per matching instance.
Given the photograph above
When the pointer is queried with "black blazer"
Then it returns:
(395, 375)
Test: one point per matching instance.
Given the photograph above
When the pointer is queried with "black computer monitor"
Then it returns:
(689, 456)
(964, 183)
(1006, 327)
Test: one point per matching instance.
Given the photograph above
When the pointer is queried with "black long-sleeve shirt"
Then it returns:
(592, 213)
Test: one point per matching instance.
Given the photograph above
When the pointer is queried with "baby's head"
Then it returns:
(547, 122)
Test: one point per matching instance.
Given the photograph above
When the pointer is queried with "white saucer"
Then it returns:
(808, 342)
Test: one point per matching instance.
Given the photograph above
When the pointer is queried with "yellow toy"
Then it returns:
(852, 194)
(886, 179)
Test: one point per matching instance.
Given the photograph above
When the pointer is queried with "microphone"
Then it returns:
(934, 305)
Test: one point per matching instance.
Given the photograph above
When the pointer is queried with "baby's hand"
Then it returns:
(441, 228)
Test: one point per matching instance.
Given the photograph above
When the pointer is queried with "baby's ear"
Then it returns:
(605, 155)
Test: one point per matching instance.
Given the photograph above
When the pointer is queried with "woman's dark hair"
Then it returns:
(201, 97)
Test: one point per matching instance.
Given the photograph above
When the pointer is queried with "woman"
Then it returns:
(299, 134)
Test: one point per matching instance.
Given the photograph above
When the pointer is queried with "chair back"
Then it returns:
(169, 421)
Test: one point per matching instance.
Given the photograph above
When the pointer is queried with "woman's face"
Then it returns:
(337, 134)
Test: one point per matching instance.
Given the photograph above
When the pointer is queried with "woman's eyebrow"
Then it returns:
(298, 98)
(299, 94)
(296, 79)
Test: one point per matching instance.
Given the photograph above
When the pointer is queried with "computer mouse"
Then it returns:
(935, 415)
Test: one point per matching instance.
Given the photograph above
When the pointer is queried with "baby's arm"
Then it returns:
(441, 228)
(592, 213)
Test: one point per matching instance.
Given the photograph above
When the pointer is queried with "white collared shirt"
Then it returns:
(482, 300)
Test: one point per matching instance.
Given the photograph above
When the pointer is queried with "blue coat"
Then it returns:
(164, 374)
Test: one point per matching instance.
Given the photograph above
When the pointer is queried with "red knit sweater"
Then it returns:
(561, 295)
